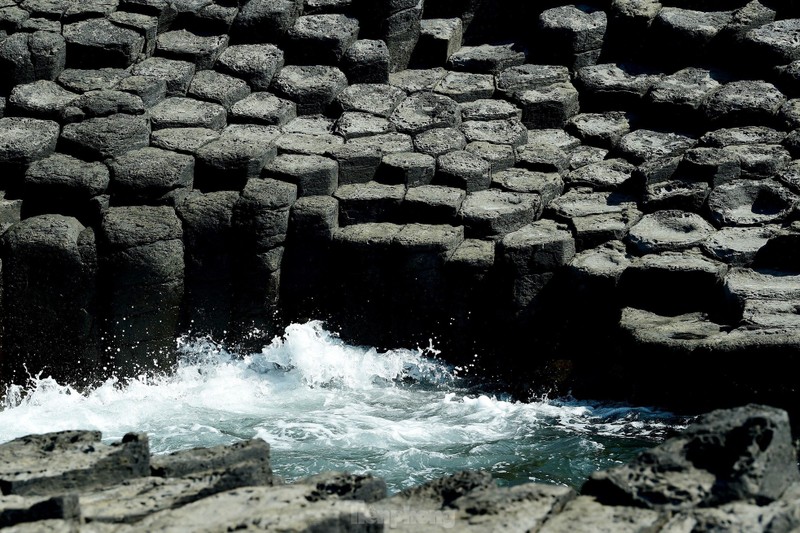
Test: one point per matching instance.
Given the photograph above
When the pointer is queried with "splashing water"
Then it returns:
(324, 405)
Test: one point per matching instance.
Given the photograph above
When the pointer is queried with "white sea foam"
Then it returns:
(325, 405)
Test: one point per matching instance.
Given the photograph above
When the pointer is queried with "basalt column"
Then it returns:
(396, 22)
(142, 279)
(49, 267)
(260, 223)
(208, 237)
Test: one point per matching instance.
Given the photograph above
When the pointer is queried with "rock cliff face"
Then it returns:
(602, 195)
(733, 470)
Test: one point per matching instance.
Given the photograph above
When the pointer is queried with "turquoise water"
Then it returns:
(323, 405)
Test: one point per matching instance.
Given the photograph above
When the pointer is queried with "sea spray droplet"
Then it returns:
(323, 405)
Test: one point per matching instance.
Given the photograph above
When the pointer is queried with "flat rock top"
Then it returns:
(23, 140)
(125, 227)
(669, 230)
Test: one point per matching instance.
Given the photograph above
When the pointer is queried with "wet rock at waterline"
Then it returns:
(734, 468)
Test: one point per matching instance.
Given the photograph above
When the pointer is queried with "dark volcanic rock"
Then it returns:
(682, 93)
(424, 111)
(263, 108)
(466, 87)
(673, 283)
(262, 21)
(63, 184)
(177, 74)
(40, 99)
(150, 89)
(366, 61)
(463, 169)
(379, 99)
(353, 124)
(320, 39)
(777, 41)
(100, 138)
(528, 77)
(433, 204)
(738, 454)
(141, 261)
(220, 88)
(102, 103)
(750, 202)
(182, 463)
(613, 87)
(184, 45)
(312, 88)
(669, 231)
(548, 107)
(363, 203)
(29, 57)
(238, 154)
(568, 30)
(83, 80)
(145, 176)
(408, 168)
(357, 164)
(25, 140)
(600, 129)
(179, 112)
(744, 103)
(487, 58)
(254, 63)
(642, 145)
(97, 43)
(314, 175)
(607, 175)
(79, 461)
(439, 39)
(49, 311)
(491, 214)
(439, 141)
(18, 509)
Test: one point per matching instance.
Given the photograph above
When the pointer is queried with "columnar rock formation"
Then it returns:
(549, 181)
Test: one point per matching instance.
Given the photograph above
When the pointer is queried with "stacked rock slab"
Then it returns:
(576, 176)
(732, 470)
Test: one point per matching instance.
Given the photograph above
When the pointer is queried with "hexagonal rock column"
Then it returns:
(306, 272)
(27, 57)
(23, 141)
(141, 278)
(150, 176)
(104, 137)
(240, 153)
(209, 253)
(265, 21)
(49, 315)
(572, 36)
(673, 283)
(260, 222)
(396, 22)
(418, 288)
(360, 283)
(529, 257)
(97, 43)
(320, 39)
(65, 185)
(313, 88)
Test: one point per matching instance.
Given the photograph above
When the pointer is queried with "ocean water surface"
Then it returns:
(324, 405)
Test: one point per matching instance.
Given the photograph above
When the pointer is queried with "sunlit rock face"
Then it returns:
(458, 172)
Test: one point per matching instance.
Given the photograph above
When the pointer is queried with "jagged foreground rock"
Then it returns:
(545, 181)
(732, 470)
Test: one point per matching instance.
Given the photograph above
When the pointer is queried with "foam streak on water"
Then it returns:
(324, 405)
